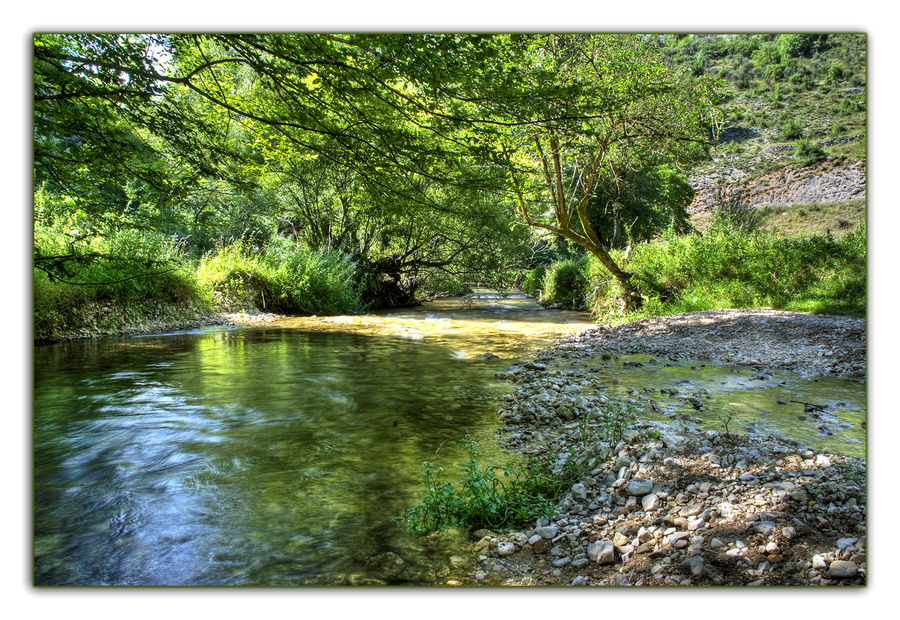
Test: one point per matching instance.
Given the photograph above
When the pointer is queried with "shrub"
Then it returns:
(285, 277)
(493, 496)
(790, 130)
(731, 213)
(533, 280)
(808, 151)
(565, 283)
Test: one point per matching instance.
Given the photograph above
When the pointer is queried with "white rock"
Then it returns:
(601, 552)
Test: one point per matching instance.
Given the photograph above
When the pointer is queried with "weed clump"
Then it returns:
(493, 496)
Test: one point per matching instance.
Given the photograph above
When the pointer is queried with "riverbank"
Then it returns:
(672, 503)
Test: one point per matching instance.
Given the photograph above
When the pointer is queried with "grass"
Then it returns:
(804, 220)
(729, 268)
(115, 280)
(284, 277)
(492, 495)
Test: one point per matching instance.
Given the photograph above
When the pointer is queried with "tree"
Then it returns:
(594, 110)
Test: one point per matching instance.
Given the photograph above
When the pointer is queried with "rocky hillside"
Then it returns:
(794, 116)
(823, 183)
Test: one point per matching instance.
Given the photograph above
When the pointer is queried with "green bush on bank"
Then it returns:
(565, 283)
(98, 280)
(284, 277)
(730, 268)
(493, 496)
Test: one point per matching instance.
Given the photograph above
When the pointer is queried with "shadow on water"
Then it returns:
(266, 456)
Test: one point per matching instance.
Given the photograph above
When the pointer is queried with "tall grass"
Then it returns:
(283, 277)
(727, 268)
(730, 269)
(75, 273)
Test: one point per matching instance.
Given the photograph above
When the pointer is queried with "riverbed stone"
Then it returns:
(842, 569)
(601, 552)
(639, 488)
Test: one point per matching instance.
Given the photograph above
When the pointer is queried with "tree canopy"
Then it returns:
(422, 151)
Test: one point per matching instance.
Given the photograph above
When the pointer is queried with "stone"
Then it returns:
(601, 552)
(842, 569)
(579, 491)
(559, 563)
(506, 548)
(548, 531)
(843, 543)
(694, 564)
(639, 488)
(650, 502)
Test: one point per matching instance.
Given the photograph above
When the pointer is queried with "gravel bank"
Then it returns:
(669, 504)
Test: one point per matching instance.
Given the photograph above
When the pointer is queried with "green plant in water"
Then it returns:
(726, 418)
(493, 496)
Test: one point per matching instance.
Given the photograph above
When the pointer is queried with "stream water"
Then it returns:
(280, 454)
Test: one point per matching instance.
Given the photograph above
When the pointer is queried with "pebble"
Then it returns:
(666, 503)
(842, 569)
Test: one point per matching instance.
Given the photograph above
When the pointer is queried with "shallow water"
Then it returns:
(275, 455)
(279, 455)
(741, 399)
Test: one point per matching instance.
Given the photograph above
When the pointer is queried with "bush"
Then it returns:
(731, 213)
(285, 278)
(790, 130)
(493, 496)
(533, 280)
(808, 151)
(565, 283)
(732, 269)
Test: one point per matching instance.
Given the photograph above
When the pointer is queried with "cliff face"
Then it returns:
(823, 183)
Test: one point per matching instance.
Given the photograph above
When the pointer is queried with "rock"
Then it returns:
(506, 548)
(601, 552)
(694, 564)
(842, 569)
(579, 491)
(548, 531)
(650, 502)
(843, 543)
(639, 488)
(580, 580)
(565, 561)
(818, 562)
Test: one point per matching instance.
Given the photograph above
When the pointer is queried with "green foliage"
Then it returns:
(654, 199)
(732, 214)
(565, 283)
(730, 269)
(493, 496)
(808, 151)
(284, 277)
(533, 280)
(81, 278)
(790, 130)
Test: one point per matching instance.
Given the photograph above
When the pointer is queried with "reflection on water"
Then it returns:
(274, 455)
(278, 455)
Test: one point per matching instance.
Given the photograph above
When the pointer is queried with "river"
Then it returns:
(281, 454)
(272, 455)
